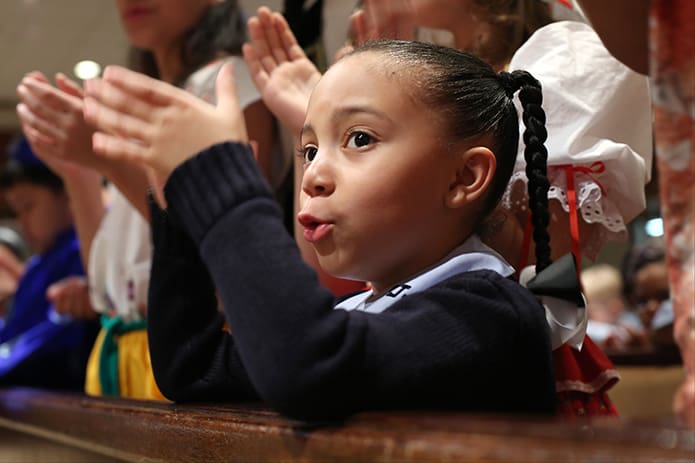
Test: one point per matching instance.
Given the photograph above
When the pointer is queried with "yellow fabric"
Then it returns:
(92, 385)
(135, 378)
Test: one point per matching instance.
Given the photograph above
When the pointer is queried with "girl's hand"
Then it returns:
(143, 120)
(283, 74)
(53, 123)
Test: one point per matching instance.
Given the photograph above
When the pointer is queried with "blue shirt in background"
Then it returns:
(39, 347)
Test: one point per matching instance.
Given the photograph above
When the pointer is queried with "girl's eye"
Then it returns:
(359, 139)
(310, 153)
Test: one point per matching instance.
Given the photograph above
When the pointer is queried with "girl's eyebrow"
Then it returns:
(346, 111)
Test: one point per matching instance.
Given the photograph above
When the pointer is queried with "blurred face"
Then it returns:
(651, 289)
(159, 24)
(375, 176)
(42, 213)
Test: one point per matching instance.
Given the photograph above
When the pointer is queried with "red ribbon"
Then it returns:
(596, 168)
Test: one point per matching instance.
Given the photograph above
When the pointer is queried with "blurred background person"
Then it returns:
(611, 325)
(38, 346)
(13, 254)
(183, 42)
(647, 290)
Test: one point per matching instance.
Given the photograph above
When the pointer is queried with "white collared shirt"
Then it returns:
(472, 255)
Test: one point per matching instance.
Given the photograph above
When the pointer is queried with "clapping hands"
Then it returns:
(146, 121)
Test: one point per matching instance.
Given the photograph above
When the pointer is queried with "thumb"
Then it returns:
(54, 291)
(226, 91)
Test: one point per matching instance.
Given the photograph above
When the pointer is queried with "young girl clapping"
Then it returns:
(406, 147)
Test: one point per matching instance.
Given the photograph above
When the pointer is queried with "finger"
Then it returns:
(287, 39)
(359, 26)
(156, 187)
(39, 124)
(44, 103)
(55, 291)
(225, 87)
(370, 18)
(120, 100)
(117, 148)
(258, 75)
(109, 120)
(42, 144)
(69, 86)
(138, 86)
(51, 96)
(266, 17)
(260, 45)
(38, 76)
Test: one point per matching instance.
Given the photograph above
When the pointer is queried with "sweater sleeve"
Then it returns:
(193, 358)
(310, 361)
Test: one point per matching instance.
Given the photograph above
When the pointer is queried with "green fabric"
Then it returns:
(108, 357)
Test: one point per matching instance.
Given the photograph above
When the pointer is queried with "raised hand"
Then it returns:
(283, 74)
(146, 121)
(384, 19)
(53, 122)
(70, 296)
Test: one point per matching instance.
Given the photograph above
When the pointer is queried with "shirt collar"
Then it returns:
(472, 255)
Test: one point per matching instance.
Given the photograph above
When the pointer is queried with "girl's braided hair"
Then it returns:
(473, 101)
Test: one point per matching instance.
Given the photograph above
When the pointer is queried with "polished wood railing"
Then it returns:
(163, 432)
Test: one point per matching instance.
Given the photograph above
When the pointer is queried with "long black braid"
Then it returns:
(536, 155)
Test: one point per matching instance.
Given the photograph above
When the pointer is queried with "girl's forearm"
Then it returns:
(84, 188)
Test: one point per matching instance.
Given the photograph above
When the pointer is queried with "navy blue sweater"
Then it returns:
(475, 342)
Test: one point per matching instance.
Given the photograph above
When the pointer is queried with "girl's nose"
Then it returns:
(318, 178)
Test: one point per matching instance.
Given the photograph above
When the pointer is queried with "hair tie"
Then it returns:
(508, 83)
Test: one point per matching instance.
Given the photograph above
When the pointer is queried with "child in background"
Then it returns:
(180, 41)
(611, 324)
(38, 347)
(646, 288)
(406, 147)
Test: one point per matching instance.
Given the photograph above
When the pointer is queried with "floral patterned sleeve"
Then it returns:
(672, 29)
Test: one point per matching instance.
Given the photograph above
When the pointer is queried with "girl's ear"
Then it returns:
(474, 170)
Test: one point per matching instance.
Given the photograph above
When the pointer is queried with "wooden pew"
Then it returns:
(158, 432)
(649, 379)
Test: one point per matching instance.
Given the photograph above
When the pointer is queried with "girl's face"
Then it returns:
(157, 24)
(375, 175)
